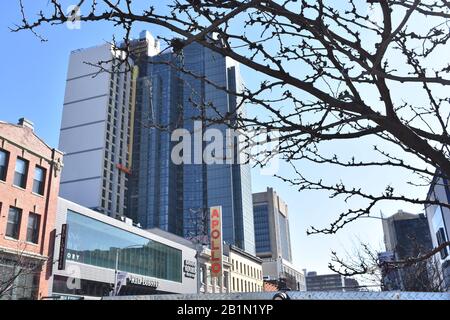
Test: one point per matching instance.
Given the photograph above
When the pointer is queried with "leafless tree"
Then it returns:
(421, 273)
(333, 73)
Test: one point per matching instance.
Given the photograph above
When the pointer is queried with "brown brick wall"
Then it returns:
(22, 142)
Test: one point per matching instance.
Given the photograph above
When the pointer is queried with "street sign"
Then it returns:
(216, 241)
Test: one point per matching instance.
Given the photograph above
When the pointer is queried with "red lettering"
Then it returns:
(215, 214)
(215, 234)
(214, 224)
(216, 268)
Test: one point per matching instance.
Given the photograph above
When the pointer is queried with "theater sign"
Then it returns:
(216, 241)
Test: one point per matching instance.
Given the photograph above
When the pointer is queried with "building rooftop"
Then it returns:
(26, 124)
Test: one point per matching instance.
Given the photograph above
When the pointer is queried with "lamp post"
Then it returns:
(116, 269)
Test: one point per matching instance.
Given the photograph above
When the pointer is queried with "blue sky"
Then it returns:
(32, 85)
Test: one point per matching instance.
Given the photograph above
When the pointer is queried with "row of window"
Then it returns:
(15, 221)
(245, 269)
(21, 173)
(240, 285)
(112, 145)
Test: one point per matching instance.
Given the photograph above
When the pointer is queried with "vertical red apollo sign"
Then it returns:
(215, 219)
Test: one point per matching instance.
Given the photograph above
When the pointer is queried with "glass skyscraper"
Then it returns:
(155, 190)
(174, 197)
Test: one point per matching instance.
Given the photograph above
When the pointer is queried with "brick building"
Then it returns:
(29, 185)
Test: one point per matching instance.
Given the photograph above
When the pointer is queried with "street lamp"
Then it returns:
(116, 270)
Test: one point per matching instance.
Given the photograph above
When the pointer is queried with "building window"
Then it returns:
(209, 277)
(441, 238)
(13, 225)
(20, 176)
(34, 221)
(39, 180)
(3, 164)
(202, 275)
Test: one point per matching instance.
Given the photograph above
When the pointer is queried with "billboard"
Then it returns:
(215, 219)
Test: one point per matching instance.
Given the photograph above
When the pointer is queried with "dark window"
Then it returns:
(13, 225)
(39, 180)
(34, 221)
(441, 238)
(3, 164)
(20, 176)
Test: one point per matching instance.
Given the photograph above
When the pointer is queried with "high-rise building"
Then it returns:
(155, 186)
(407, 235)
(206, 185)
(439, 224)
(96, 129)
(176, 197)
(271, 220)
(117, 134)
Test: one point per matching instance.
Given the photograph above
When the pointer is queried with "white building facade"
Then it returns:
(246, 271)
(92, 249)
(96, 129)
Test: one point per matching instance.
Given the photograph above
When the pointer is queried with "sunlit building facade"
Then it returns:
(271, 221)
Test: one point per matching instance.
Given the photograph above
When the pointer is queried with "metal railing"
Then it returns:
(297, 295)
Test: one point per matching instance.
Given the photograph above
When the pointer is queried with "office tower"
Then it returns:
(155, 187)
(176, 197)
(227, 184)
(117, 134)
(407, 235)
(272, 236)
(96, 130)
(439, 225)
